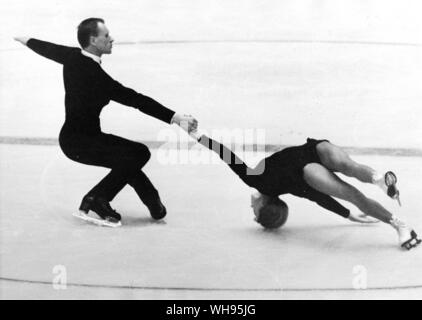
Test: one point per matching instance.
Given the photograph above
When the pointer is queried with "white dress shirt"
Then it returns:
(97, 59)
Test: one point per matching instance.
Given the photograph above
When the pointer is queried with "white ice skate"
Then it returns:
(98, 221)
(408, 238)
(390, 180)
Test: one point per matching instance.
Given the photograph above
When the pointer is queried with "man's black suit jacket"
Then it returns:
(89, 88)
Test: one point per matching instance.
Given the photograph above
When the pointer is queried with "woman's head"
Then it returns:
(270, 212)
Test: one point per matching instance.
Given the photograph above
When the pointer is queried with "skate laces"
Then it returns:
(111, 209)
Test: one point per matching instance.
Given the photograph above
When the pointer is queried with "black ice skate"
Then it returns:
(156, 209)
(392, 191)
(106, 215)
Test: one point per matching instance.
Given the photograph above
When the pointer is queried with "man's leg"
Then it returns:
(143, 187)
(128, 159)
(125, 158)
(148, 194)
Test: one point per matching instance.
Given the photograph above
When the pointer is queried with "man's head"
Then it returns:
(94, 36)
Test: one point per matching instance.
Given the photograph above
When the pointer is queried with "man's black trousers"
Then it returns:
(125, 158)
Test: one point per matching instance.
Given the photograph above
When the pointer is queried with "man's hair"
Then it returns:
(86, 29)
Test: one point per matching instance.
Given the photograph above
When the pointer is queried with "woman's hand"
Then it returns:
(22, 40)
(361, 218)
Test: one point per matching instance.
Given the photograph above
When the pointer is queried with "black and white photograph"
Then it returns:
(233, 151)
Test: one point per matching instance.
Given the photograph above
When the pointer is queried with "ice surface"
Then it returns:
(208, 241)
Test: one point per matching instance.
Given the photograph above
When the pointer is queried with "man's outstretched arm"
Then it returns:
(149, 106)
(48, 50)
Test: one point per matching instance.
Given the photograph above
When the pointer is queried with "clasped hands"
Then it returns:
(185, 121)
(22, 40)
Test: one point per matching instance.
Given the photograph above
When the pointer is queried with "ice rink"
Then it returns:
(208, 247)
(347, 71)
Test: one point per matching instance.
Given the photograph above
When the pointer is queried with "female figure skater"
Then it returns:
(307, 171)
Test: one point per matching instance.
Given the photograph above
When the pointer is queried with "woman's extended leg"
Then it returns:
(325, 181)
(337, 160)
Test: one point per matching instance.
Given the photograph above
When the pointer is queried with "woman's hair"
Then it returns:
(86, 29)
(273, 213)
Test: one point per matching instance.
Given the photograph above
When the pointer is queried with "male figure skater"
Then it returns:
(88, 90)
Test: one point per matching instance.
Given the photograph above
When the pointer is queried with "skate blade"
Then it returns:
(412, 242)
(398, 200)
(99, 222)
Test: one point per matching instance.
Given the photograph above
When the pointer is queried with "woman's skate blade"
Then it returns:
(412, 242)
(398, 200)
(100, 222)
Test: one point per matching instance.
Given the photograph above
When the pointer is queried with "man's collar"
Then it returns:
(97, 59)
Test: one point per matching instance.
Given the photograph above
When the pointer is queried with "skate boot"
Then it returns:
(106, 215)
(156, 208)
(408, 238)
(391, 181)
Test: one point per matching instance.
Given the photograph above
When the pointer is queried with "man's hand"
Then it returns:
(361, 218)
(186, 122)
(22, 40)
